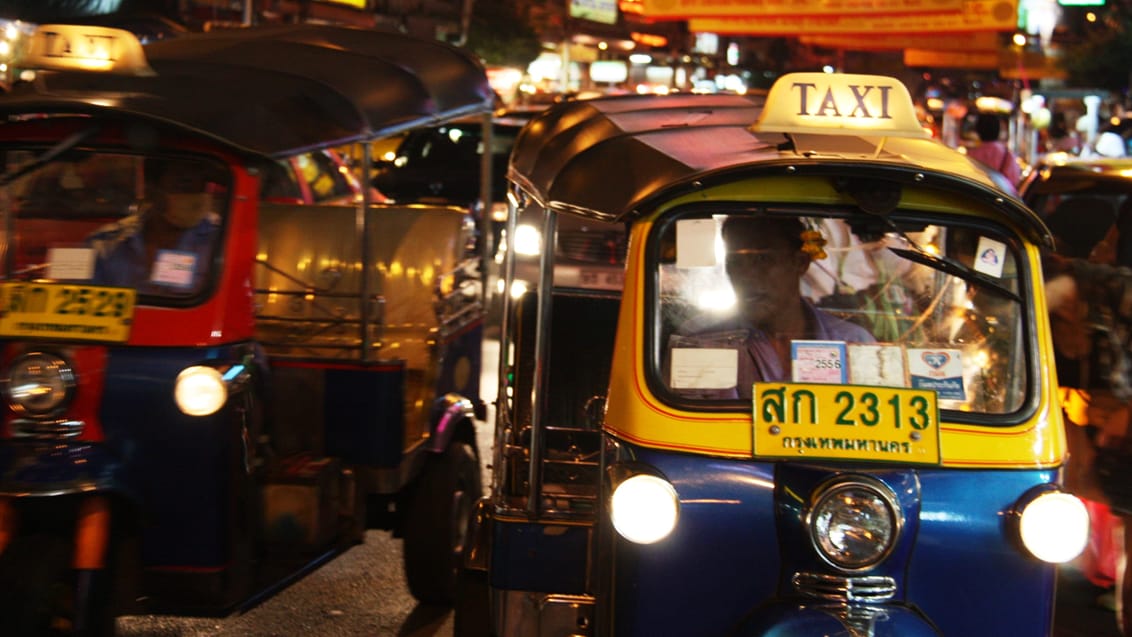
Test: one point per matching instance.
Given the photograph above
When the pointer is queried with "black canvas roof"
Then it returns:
(278, 90)
(609, 158)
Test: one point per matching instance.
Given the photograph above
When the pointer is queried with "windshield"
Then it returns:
(771, 295)
(147, 223)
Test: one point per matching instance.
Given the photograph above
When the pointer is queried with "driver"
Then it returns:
(765, 261)
(164, 248)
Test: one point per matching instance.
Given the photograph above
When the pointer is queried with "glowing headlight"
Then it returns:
(1054, 527)
(499, 211)
(200, 391)
(644, 509)
(528, 241)
(518, 288)
(854, 524)
(39, 384)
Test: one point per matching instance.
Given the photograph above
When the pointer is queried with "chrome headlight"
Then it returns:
(39, 384)
(1054, 527)
(644, 508)
(200, 390)
(854, 523)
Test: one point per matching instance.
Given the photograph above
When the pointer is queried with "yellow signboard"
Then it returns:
(72, 312)
(357, 4)
(832, 103)
(952, 59)
(977, 41)
(846, 422)
(679, 9)
(72, 47)
(976, 15)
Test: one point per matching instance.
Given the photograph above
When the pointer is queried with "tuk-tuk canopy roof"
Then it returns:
(609, 158)
(274, 90)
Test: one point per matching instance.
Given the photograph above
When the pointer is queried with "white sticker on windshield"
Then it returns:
(704, 368)
(70, 263)
(876, 364)
(174, 267)
(989, 257)
(695, 243)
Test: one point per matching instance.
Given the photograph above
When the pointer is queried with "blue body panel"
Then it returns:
(179, 468)
(462, 363)
(741, 536)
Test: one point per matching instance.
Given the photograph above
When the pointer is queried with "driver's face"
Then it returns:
(764, 269)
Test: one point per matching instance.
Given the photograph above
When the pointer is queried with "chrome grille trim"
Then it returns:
(47, 429)
(868, 589)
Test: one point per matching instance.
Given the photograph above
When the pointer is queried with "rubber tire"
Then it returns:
(435, 524)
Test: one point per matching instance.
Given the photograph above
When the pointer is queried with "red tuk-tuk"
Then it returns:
(206, 391)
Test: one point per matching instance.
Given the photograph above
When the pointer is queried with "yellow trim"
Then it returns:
(635, 414)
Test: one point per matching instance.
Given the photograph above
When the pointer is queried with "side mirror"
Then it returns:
(594, 412)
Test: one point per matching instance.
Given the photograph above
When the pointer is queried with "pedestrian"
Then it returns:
(1090, 301)
(992, 151)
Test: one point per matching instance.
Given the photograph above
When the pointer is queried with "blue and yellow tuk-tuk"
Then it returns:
(821, 402)
(208, 387)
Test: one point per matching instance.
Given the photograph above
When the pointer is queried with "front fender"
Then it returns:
(805, 619)
(48, 469)
(448, 412)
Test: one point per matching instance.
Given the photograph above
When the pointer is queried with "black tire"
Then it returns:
(435, 524)
(37, 591)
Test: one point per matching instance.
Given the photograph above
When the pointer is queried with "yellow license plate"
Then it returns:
(846, 422)
(72, 312)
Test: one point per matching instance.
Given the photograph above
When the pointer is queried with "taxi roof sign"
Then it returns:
(839, 103)
(73, 47)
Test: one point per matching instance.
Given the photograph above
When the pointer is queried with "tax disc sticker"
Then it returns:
(989, 257)
(818, 361)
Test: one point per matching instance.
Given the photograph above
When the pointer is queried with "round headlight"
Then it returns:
(1054, 527)
(39, 384)
(644, 509)
(854, 524)
(200, 391)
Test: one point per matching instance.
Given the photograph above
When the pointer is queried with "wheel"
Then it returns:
(435, 523)
(38, 591)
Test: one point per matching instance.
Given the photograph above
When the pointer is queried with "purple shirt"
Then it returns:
(758, 358)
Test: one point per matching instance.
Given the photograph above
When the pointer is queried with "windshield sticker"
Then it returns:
(704, 368)
(65, 264)
(990, 256)
(695, 243)
(880, 365)
(174, 267)
(937, 369)
(818, 361)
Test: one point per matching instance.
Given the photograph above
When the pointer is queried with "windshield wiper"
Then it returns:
(954, 268)
(49, 155)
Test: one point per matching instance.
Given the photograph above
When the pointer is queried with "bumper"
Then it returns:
(50, 469)
(788, 618)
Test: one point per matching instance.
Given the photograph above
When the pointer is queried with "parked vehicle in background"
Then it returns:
(206, 392)
(817, 401)
(444, 164)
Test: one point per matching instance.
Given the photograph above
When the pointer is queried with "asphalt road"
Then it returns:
(362, 593)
